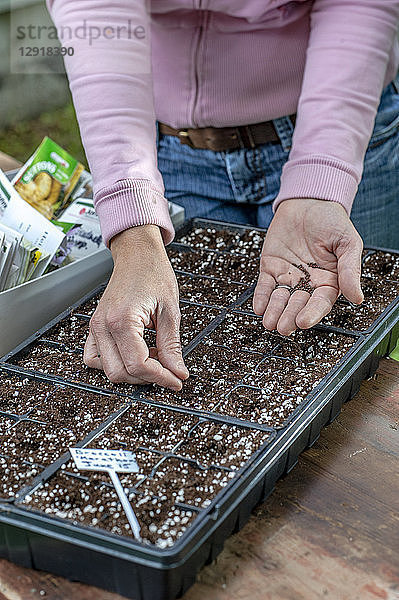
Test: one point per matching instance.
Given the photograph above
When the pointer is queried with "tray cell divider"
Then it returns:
(185, 249)
(66, 456)
(137, 396)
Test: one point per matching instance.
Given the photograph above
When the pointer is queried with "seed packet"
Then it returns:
(49, 179)
(87, 238)
(19, 216)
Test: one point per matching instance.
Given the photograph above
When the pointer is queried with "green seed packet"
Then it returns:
(48, 179)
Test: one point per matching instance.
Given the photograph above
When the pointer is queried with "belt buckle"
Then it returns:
(184, 137)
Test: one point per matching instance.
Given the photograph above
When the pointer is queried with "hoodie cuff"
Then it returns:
(129, 203)
(320, 178)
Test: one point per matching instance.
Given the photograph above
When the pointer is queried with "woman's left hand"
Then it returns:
(311, 254)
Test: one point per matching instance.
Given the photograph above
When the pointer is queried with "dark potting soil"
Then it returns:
(199, 393)
(276, 395)
(72, 332)
(69, 366)
(6, 424)
(90, 501)
(221, 363)
(88, 307)
(284, 379)
(241, 269)
(15, 473)
(281, 375)
(146, 426)
(40, 427)
(150, 338)
(216, 292)
(58, 418)
(378, 294)
(256, 404)
(35, 442)
(216, 444)
(243, 332)
(75, 409)
(184, 483)
(208, 238)
(71, 408)
(248, 243)
(312, 348)
(19, 395)
(247, 306)
(193, 320)
(380, 265)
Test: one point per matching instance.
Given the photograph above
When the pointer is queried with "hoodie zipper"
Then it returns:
(197, 54)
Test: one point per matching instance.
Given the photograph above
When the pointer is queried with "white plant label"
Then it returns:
(113, 462)
(121, 461)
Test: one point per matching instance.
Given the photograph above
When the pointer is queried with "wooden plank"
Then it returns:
(17, 583)
(330, 530)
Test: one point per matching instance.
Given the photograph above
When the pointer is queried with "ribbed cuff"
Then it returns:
(129, 203)
(321, 178)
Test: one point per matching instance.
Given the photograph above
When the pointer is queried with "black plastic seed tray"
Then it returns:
(108, 556)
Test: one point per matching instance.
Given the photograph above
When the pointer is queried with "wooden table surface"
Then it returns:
(330, 530)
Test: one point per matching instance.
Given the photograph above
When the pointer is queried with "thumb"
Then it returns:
(349, 255)
(168, 342)
(91, 357)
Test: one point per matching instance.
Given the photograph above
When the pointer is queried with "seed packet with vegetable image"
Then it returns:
(48, 179)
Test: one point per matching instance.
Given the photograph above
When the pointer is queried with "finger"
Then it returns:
(349, 255)
(317, 307)
(111, 360)
(136, 357)
(91, 356)
(168, 342)
(287, 322)
(263, 291)
(277, 303)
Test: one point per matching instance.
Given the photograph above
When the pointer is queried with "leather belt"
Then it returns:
(221, 139)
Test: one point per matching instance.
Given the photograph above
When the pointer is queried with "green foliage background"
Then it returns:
(60, 125)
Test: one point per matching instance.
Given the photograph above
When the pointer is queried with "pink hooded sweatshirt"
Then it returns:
(197, 63)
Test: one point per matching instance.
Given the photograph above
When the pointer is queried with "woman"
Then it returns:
(265, 106)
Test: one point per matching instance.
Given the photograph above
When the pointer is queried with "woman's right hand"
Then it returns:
(142, 291)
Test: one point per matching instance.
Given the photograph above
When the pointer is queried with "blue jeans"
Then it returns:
(240, 185)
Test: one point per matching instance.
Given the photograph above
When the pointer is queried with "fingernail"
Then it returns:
(180, 365)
